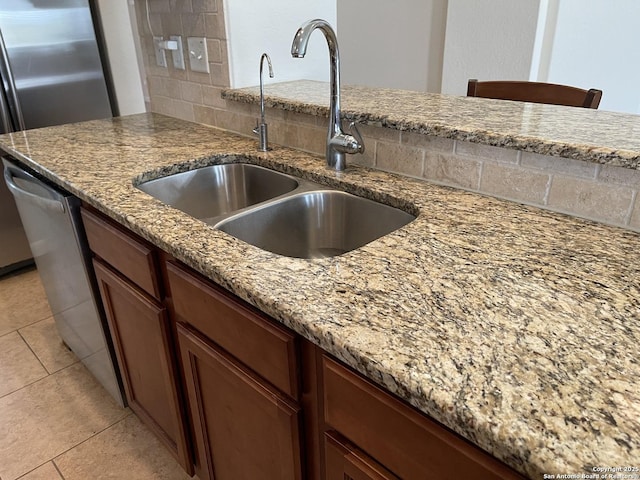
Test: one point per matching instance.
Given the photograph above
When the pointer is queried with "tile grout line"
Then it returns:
(34, 353)
(53, 460)
(38, 380)
(57, 469)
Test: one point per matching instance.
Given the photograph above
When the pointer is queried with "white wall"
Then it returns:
(598, 47)
(121, 50)
(395, 44)
(488, 40)
(257, 27)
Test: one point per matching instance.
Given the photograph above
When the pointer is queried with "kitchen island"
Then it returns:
(517, 328)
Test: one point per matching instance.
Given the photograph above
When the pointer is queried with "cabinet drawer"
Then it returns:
(346, 462)
(246, 333)
(400, 438)
(131, 256)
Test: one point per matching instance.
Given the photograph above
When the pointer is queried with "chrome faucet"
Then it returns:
(338, 142)
(261, 128)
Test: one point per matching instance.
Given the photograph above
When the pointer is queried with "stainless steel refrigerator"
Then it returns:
(51, 73)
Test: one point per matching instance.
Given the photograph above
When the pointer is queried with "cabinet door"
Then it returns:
(244, 429)
(141, 333)
(346, 462)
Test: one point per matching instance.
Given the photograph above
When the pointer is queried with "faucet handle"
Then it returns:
(353, 130)
(256, 130)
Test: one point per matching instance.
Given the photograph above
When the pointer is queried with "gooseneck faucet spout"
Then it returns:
(338, 142)
(261, 128)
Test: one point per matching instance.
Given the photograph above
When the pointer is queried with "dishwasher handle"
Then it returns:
(33, 198)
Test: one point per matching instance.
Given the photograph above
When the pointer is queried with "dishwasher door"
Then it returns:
(51, 218)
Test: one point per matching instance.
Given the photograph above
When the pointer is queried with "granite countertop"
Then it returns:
(580, 133)
(516, 327)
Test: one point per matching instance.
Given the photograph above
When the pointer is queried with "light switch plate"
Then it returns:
(161, 58)
(198, 57)
(177, 55)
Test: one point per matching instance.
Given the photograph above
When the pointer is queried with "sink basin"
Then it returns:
(209, 192)
(315, 224)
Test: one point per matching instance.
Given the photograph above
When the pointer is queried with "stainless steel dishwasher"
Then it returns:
(51, 219)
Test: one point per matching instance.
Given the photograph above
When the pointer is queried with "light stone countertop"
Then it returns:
(597, 136)
(516, 327)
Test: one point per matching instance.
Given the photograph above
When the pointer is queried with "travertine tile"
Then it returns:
(427, 142)
(514, 183)
(214, 49)
(191, 92)
(44, 340)
(204, 6)
(634, 223)
(477, 150)
(125, 450)
(47, 471)
(211, 96)
(379, 133)
(452, 170)
(620, 176)
(590, 199)
(204, 115)
(193, 24)
(577, 168)
(19, 290)
(18, 365)
(50, 416)
(214, 25)
(399, 158)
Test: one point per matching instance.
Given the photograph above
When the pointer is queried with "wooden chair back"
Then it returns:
(536, 92)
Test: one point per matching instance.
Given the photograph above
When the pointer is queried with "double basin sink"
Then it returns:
(277, 212)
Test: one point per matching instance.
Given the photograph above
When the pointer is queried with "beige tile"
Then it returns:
(18, 365)
(48, 417)
(204, 6)
(452, 170)
(191, 92)
(45, 342)
(586, 198)
(378, 133)
(47, 471)
(577, 168)
(214, 25)
(497, 154)
(212, 96)
(193, 24)
(125, 450)
(514, 183)
(428, 142)
(204, 115)
(400, 158)
(634, 224)
(619, 176)
(19, 290)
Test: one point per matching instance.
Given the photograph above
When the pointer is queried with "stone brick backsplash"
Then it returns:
(601, 193)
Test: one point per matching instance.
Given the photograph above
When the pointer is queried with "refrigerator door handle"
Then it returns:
(10, 84)
(45, 203)
(5, 115)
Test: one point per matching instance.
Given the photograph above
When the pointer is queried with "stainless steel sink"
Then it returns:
(315, 224)
(210, 192)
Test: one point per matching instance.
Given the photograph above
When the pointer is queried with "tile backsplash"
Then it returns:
(602, 193)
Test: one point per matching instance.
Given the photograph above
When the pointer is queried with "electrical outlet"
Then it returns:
(198, 57)
(161, 58)
(177, 55)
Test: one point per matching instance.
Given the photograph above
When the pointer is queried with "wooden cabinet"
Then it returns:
(344, 461)
(142, 333)
(236, 395)
(405, 441)
(240, 370)
(244, 428)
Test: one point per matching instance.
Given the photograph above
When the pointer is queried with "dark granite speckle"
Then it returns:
(516, 327)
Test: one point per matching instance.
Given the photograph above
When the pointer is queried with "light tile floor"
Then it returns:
(56, 421)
